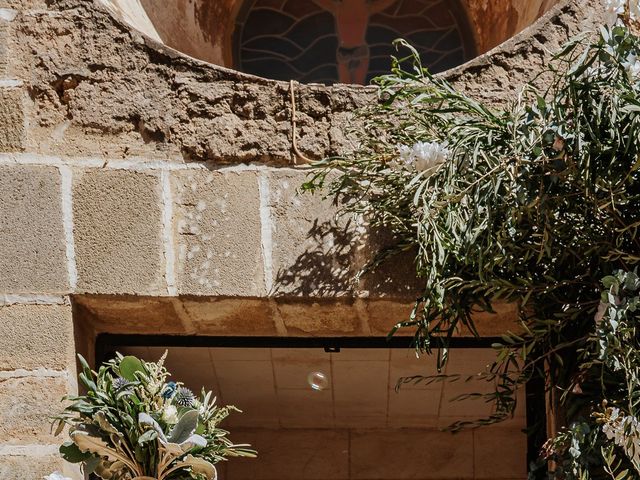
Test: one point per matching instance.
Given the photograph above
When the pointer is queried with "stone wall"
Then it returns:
(141, 189)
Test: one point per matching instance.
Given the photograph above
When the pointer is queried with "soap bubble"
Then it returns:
(318, 380)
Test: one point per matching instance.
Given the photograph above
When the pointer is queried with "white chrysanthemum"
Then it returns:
(613, 9)
(170, 414)
(632, 66)
(56, 476)
(423, 155)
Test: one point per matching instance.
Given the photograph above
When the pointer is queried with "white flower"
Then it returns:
(612, 11)
(56, 476)
(423, 155)
(170, 414)
(632, 66)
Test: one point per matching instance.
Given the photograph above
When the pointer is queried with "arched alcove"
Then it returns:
(328, 41)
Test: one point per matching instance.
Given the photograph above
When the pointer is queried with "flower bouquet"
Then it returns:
(134, 424)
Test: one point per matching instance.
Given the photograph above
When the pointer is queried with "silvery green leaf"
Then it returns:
(147, 420)
(148, 436)
(192, 442)
(185, 427)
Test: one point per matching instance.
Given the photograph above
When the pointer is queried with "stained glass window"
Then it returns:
(348, 41)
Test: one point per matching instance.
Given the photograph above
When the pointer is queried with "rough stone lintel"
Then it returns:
(228, 316)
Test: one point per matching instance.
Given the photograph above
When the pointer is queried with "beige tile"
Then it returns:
(293, 454)
(374, 421)
(469, 361)
(194, 368)
(295, 354)
(222, 353)
(292, 366)
(360, 389)
(454, 405)
(249, 386)
(361, 354)
(254, 414)
(411, 454)
(512, 460)
(245, 378)
(405, 364)
(305, 408)
(411, 408)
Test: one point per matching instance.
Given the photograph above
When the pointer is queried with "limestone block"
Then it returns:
(36, 336)
(409, 453)
(313, 250)
(22, 467)
(129, 314)
(4, 46)
(512, 445)
(242, 317)
(118, 231)
(33, 258)
(320, 318)
(217, 218)
(393, 278)
(27, 406)
(383, 314)
(12, 123)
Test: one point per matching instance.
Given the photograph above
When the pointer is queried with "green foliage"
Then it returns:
(129, 424)
(534, 204)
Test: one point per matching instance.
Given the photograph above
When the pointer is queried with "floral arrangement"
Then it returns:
(532, 202)
(135, 424)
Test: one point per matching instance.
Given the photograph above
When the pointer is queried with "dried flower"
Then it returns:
(170, 414)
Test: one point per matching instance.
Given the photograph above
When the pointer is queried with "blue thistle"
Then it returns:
(185, 397)
(119, 383)
(169, 390)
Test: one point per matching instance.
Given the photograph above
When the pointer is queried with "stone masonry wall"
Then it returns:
(141, 189)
